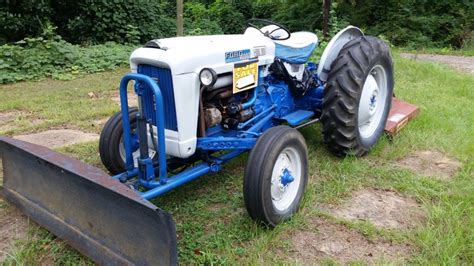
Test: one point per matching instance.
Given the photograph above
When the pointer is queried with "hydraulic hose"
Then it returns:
(252, 100)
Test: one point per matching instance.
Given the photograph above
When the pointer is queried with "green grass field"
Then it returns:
(213, 226)
(467, 51)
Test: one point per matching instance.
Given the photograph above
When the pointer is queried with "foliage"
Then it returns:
(300, 15)
(265, 9)
(412, 23)
(22, 18)
(229, 18)
(245, 7)
(50, 56)
(102, 21)
(198, 20)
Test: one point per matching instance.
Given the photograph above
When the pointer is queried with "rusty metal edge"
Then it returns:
(61, 229)
(58, 160)
(73, 236)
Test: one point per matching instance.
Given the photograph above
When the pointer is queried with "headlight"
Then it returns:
(208, 77)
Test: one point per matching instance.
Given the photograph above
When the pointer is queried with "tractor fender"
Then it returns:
(334, 47)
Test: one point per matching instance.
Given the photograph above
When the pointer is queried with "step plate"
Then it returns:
(400, 114)
(298, 117)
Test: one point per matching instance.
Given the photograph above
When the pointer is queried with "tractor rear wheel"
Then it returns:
(358, 96)
(276, 175)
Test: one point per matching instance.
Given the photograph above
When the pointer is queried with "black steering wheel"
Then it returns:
(269, 34)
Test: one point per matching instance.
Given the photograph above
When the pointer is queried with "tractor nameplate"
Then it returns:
(236, 56)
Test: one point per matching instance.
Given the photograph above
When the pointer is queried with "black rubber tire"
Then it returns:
(343, 91)
(258, 174)
(110, 140)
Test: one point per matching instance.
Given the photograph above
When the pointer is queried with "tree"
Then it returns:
(326, 10)
(179, 18)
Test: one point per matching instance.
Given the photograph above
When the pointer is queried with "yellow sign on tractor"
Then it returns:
(245, 76)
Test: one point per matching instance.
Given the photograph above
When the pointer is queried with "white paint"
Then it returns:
(333, 49)
(284, 196)
(396, 117)
(186, 57)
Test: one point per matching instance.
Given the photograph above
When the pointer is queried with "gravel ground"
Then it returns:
(463, 63)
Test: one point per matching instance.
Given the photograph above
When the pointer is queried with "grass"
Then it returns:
(54, 104)
(467, 51)
(213, 226)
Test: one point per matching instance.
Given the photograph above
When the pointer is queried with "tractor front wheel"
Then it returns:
(276, 175)
(111, 143)
(358, 96)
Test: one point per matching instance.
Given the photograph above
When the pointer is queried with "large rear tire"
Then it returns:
(358, 96)
(276, 175)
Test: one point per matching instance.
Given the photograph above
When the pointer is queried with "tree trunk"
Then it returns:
(179, 18)
(326, 9)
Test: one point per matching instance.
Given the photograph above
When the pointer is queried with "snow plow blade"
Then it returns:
(99, 216)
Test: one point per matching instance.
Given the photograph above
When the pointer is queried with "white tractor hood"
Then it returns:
(191, 54)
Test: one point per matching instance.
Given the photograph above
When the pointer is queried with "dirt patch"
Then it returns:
(383, 208)
(326, 240)
(431, 163)
(100, 122)
(13, 227)
(462, 63)
(9, 119)
(6, 117)
(58, 138)
(131, 96)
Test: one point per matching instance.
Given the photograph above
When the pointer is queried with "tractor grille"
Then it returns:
(165, 81)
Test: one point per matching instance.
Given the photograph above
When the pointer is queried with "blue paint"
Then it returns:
(298, 117)
(255, 118)
(286, 177)
(373, 100)
(188, 175)
(236, 56)
(259, 126)
(251, 101)
(294, 55)
(163, 77)
(159, 114)
(225, 143)
(271, 100)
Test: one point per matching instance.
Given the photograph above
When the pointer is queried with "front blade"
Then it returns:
(81, 204)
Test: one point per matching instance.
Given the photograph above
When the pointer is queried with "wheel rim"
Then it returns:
(135, 154)
(286, 179)
(372, 102)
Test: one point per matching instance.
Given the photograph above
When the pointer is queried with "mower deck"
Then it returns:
(400, 114)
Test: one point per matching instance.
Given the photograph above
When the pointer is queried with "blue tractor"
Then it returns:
(202, 101)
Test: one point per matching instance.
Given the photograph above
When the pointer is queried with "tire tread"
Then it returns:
(341, 96)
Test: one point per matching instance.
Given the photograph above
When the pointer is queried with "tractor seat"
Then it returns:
(298, 48)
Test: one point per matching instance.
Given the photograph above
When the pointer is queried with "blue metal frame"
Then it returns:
(159, 112)
(161, 184)
(271, 100)
(225, 143)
